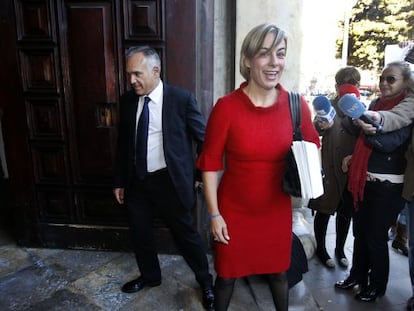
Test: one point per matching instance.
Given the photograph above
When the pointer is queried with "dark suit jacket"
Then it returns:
(182, 124)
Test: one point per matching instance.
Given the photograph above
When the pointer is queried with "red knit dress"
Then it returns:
(251, 143)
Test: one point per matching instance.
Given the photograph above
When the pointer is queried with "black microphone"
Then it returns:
(324, 110)
(352, 107)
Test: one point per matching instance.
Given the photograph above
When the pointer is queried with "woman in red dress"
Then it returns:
(251, 130)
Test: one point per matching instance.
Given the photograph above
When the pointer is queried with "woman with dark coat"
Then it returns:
(376, 175)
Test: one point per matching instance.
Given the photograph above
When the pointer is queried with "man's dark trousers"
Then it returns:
(156, 196)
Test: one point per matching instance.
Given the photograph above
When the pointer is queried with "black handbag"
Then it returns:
(291, 181)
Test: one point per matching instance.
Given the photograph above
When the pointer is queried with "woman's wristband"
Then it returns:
(213, 216)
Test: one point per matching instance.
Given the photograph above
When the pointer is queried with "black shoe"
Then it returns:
(410, 304)
(348, 283)
(208, 298)
(399, 245)
(369, 294)
(138, 284)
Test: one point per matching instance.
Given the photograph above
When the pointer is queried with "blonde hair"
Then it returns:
(253, 42)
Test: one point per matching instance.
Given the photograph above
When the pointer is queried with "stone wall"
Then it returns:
(312, 28)
(287, 15)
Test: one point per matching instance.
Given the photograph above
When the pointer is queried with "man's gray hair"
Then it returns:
(150, 54)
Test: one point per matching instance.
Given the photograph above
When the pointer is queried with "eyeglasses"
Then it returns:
(389, 79)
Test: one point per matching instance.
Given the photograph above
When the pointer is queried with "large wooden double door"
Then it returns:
(60, 124)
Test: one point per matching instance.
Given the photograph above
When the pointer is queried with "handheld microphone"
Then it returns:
(352, 107)
(324, 110)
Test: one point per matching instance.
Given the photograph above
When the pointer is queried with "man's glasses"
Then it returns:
(389, 79)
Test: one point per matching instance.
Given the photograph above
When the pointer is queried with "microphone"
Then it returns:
(352, 107)
(324, 110)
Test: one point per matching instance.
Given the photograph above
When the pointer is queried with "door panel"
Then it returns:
(143, 20)
(181, 43)
(93, 89)
(35, 20)
(50, 164)
(55, 206)
(44, 117)
(71, 65)
(39, 70)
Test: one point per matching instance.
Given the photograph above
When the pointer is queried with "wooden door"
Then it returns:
(71, 63)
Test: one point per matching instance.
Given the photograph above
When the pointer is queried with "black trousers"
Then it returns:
(379, 210)
(156, 196)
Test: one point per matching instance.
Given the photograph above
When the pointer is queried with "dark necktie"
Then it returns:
(142, 141)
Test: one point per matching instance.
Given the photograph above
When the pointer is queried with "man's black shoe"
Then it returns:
(369, 294)
(410, 304)
(348, 283)
(138, 284)
(208, 299)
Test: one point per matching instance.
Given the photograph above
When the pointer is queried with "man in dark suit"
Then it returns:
(154, 168)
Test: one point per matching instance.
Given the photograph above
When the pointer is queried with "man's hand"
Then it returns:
(119, 195)
(404, 44)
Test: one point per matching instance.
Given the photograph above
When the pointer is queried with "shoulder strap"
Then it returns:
(295, 112)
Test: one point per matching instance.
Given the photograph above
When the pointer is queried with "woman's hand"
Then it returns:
(219, 230)
(217, 224)
(366, 127)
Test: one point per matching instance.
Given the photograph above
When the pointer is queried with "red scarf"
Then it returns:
(362, 152)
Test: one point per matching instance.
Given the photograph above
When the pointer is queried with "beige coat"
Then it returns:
(398, 117)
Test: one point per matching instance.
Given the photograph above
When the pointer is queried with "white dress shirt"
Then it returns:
(155, 151)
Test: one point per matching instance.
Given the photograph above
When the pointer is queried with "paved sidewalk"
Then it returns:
(47, 279)
(53, 279)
